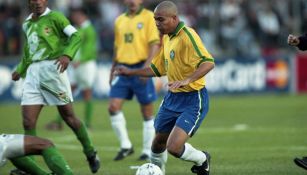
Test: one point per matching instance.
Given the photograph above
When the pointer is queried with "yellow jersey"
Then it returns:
(180, 55)
(133, 35)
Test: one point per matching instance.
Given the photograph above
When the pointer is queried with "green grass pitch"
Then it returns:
(246, 135)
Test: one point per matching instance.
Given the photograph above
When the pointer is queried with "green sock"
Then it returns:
(28, 165)
(31, 132)
(56, 162)
(83, 137)
(88, 112)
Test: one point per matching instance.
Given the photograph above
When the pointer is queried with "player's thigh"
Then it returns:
(165, 120)
(55, 86)
(121, 88)
(144, 90)
(86, 75)
(31, 93)
(194, 114)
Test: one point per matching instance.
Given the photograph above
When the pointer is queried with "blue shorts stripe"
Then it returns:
(199, 112)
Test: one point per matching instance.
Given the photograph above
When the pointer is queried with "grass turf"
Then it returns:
(245, 135)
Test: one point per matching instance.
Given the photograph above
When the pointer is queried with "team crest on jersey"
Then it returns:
(47, 30)
(172, 54)
(140, 25)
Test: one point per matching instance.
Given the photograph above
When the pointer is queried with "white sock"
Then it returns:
(118, 123)
(148, 135)
(193, 155)
(159, 159)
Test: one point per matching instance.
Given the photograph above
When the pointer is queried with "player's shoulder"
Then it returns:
(147, 14)
(188, 32)
(56, 14)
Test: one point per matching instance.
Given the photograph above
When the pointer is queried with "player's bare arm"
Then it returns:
(144, 72)
(202, 70)
(153, 49)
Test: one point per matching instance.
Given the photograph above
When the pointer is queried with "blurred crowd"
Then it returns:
(229, 28)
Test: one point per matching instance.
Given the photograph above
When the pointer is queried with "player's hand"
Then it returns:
(177, 84)
(121, 70)
(15, 76)
(293, 40)
(62, 63)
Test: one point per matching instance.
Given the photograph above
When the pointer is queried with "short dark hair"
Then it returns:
(79, 9)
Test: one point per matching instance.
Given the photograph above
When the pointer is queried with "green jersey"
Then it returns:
(47, 38)
(88, 48)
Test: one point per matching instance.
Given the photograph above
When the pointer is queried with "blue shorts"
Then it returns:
(124, 87)
(186, 110)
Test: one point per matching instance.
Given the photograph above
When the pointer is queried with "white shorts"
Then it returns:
(45, 85)
(11, 145)
(84, 75)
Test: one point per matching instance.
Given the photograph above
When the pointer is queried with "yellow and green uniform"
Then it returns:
(180, 55)
(47, 38)
(133, 35)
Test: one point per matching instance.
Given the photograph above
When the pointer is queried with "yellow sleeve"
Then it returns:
(200, 53)
(158, 64)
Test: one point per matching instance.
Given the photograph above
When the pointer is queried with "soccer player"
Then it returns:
(185, 61)
(16, 145)
(136, 42)
(51, 42)
(82, 72)
(301, 43)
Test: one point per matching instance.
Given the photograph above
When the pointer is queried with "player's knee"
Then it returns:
(47, 143)
(174, 149)
(113, 109)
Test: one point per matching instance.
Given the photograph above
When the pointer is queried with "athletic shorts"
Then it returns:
(124, 87)
(45, 85)
(84, 75)
(186, 110)
(11, 145)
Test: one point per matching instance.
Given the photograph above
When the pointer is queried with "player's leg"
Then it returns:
(85, 83)
(44, 147)
(88, 106)
(13, 148)
(118, 123)
(30, 115)
(120, 91)
(146, 95)
(186, 126)
(66, 111)
(177, 146)
(148, 129)
(158, 150)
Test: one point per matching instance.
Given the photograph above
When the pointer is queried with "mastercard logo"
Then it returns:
(278, 74)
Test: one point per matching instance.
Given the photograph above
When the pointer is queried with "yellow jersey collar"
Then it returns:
(138, 12)
(178, 28)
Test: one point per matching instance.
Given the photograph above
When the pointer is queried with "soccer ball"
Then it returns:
(149, 169)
